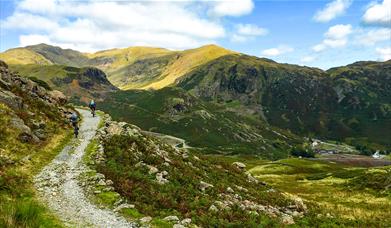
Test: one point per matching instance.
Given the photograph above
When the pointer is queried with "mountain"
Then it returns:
(350, 101)
(23, 56)
(81, 84)
(127, 68)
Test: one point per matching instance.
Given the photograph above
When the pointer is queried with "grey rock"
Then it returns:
(213, 208)
(239, 165)
(203, 185)
(146, 219)
(186, 221)
(171, 218)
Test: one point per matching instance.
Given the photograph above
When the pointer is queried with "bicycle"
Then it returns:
(93, 112)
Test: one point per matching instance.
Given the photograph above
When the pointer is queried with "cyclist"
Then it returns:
(92, 106)
(75, 123)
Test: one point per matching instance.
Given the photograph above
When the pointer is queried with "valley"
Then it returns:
(206, 134)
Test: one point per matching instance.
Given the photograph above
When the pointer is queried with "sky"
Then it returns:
(318, 33)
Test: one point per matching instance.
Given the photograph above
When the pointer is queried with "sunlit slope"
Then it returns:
(129, 66)
(186, 62)
(23, 56)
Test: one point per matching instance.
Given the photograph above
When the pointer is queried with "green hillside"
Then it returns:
(208, 126)
(351, 101)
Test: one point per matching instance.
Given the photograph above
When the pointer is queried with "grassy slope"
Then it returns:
(23, 56)
(19, 207)
(202, 124)
(187, 61)
(153, 199)
(353, 195)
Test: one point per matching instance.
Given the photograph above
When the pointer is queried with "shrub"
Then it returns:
(303, 152)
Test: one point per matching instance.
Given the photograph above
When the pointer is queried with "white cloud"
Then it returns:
(250, 30)
(373, 36)
(385, 53)
(336, 36)
(277, 51)
(96, 25)
(338, 31)
(332, 10)
(26, 40)
(307, 59)
(231, 8)
(378, 14)
(245, 32)
(28, 21)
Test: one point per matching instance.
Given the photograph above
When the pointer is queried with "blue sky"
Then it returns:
(316, 33)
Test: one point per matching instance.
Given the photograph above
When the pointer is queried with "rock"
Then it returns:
(97, 192)
(109, 182)
(287, 219)
(203, 186)
(300, 204)
(178, 226)
(230, 190)
(186, 221)
(114, 129)
(185, 156)
(160, 179)
(240, 188)
(196, 158)
(296, 214)
(213, 208)
(239, 165)
(152, 169)
(124, 206)
(18, 123)
(40, 133)
(171, 218)
(145, 219)
(58, 96)
(11, 99)
(101, 182)
(252, 179)
(28, 138)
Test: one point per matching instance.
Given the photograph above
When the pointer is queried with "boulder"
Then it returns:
(11, 99)
(287, 219)
(160, 178)
(40, 133)
(203, 186)
(186, 221)
(18, 123)
(146, 219)
(152, 169)
(58, 96)
(239, 165)
(213, 208)
(171, 218)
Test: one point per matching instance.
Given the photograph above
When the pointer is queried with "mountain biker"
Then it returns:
(92, 106)
(75, 120)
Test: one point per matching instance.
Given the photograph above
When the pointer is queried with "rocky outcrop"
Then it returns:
(20, 94)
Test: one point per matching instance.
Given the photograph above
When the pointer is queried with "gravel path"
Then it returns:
(58, 185)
